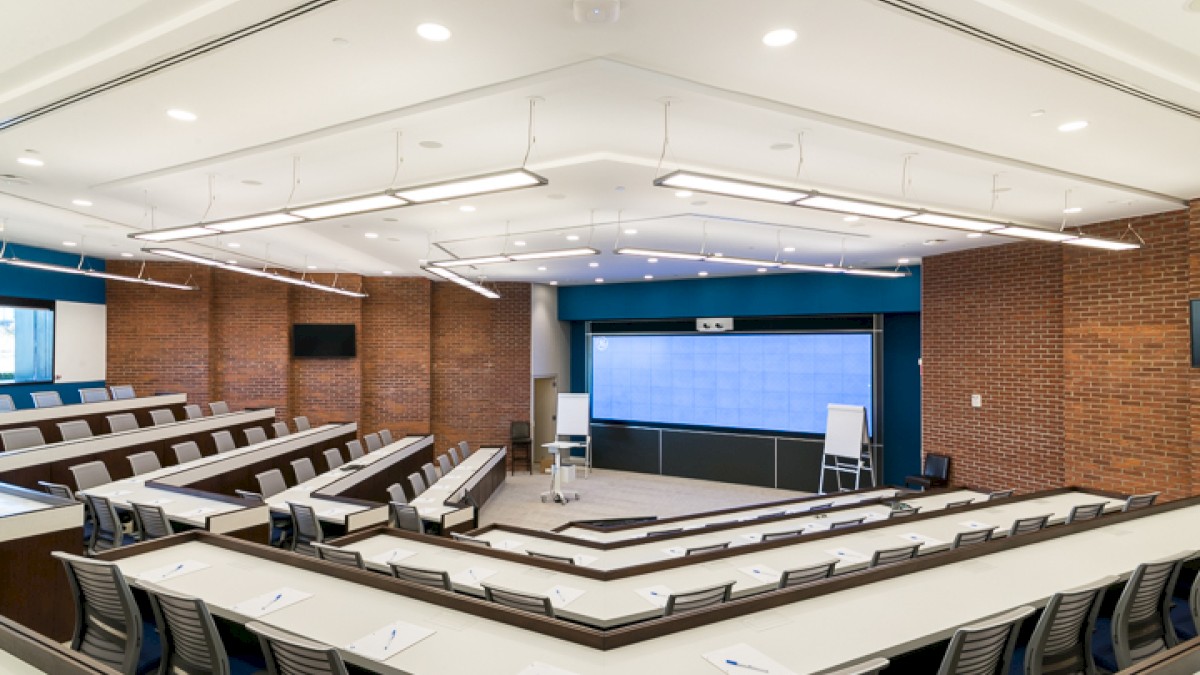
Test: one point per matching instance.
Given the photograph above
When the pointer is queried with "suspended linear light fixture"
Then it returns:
(463, 281)
(730, 187)
(63, 269)
(516, 257)
(648, 253)
(264, 274)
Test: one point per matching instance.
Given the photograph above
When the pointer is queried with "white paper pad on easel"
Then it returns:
(848, 556)
(266, 603)
(583, 560)
(918, 538)
(386, 642)
(655, 595)
(538, 668)
(975, 525)
(471, 576)
(761, 573)
(561, 596)
(171, 571)
(389, 557)
(748, 660)
(507, 544)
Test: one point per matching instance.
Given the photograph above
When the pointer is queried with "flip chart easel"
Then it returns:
(845, 436)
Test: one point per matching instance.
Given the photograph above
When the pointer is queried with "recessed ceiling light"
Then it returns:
(553, 283)
(252, 183)
(648, 276)
(81, 202)
(1037, 113)
(556, 196)
(231, 262)
(312, 267)
(789, 249)
(631, 231)
(599, 280)
(434, 32)
(761, 269)
(903, 261)
(1073, 209)
(572, 237)
(782, 146)
(518, 243)
(126, 255)
(933, 242)
(30, 161)
(703, 274)
(541, 269)
(387, 271)
(850, 219)
(699, 202)
(430, 145)
(340, 41)
(467, 208)
(829, 264)
(371, 235)
(233, 244)
(69, 243)
(593, 264)
(620, 188)
(780, 37)
(651, 260)
(181, 115)
(1075, 125)
(683, 194)
(718, 254)
(974, 235)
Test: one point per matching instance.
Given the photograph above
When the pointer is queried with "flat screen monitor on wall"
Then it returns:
(323, 340)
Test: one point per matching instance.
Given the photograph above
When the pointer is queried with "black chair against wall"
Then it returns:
(935, 473)
(520, 445)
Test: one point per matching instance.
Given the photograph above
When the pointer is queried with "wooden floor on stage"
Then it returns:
(617, 494)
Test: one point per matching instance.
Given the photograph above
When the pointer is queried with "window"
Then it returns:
(26, 341)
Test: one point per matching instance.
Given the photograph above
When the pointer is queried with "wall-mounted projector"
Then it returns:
(719, 325)
(597, 11)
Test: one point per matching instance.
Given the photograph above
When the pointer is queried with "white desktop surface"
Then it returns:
(888, 617)
(11, 665)
(79, 410)
(431, 504)
(12, 505)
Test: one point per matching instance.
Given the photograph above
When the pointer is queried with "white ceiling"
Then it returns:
(867, 85)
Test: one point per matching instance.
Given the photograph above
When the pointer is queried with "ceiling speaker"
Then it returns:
(597, 11)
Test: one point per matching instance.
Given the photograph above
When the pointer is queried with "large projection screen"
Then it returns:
(774, 382)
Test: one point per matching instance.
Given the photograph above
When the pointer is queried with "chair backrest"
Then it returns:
(46, 399)
(121, 392)
(108, 625)
(288, 654)
(865, 668)
(6, 403)
(564, 559)
(431, 476)
(333, 458)
(186, 451)
(904, 513)
(121, 422)
(303, 468)
(396, 494)
(1027, 525)
(355, 448)
(301, 423)
(74, 430)
(254, 435)
(22, 437)
(707, 548)
(538, 604)
(373, 441)
(956, 504)
(462, 538)
(144, 462)
(107, 533)
(192, 411)
(1141, 621)
(189, 636)
(1062, 640)
(417, 483)
(385, 435)
(891, 556)
(697, 599)
(162, 416)
(984, 648)
(466, 449)
(306, 529)
(152, 521)
(999, 494)
(806, 575)
(223, 440)
(340, 556)
(518, 432)
(1085, 512)
(255, 497)
(270, 482)
(90, 474)
(280, 429)
(406, 517)
(841, 525)
(936, 466)
(455, 458)
(776, 536)
(93, 395)
(445, 464)
(425, 577)
(57, 489)
(1140, 501)
(219, 407)
(973, 537)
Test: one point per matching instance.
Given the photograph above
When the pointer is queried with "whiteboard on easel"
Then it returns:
(574, 415)
(845, 430)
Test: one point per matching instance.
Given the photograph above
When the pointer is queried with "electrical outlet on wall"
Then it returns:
(976, 400)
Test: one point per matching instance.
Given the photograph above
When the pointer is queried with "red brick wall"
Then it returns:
(431, 357)
(1082, 358)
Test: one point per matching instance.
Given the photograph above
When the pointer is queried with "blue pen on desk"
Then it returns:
(177, 568)
(389, 640)
(274, 600)
(560, 595)
(746, 665)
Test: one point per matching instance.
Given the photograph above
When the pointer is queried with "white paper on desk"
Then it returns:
(266, 603)
(975, 525)
(583, 560)
(656, 595)
(848, 556)
(761, 573)
(816, 527)
(561, 596)
(196, 513)
(158, 502)
(674, 551)
(918, 538)
(874, 516)
(332, 513)
(752, 538)
(386, 642)
(539, 668)
(695, 526)
(746, 519)
(116, 493)
(750, 659)
(471, 576)
(171, 571)
(394, 555)
(507, 544)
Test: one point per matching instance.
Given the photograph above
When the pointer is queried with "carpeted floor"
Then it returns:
(614, 494)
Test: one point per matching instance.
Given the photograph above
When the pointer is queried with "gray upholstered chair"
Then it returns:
(846, 524)
(406, 517)
(6, 403)
(189, 637)
(1141, 622)
(417, 483)
(806, 575)
(396, 494)
(891, 556)
(121, 422)
(690, 601)
(162, 416)
(108, 625)
(1135, 502)
(254, 435)
(333, 458)
(707, 548)
(186, 451)
(22, 437)
(90, 474)
(303, 468)
(280, 429)
(439, 579)
(301, 423)
(152, 521)
(1085, 512)
(223, 440)
(93, 395)
(219, 407)
(107, 532)
(122, 392)
(385, 435)
(288, 654)
(74, 430)
(144, 462)
(270, 482)
(431, 476)
(1027, 525)
(1062, 640)
(192, 411)
(444, 463)
(306, 529)
(340, 556)
(373, 442)
(972, 537)
(46, 399)
(984, 647)
(355, 449)
(538, 604)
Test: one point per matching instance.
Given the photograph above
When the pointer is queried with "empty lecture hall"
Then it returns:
(599, 337)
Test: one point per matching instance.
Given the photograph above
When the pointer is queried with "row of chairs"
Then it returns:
(430, 474)
(52, 399)
(72, 430)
